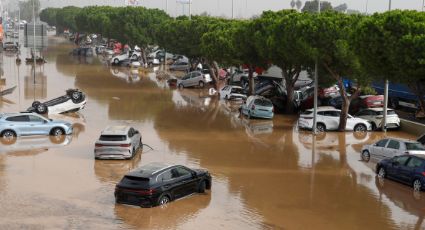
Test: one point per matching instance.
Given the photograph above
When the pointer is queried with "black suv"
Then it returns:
(158, 183)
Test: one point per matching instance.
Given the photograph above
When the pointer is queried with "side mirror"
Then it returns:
(193, 174)
(44, 121)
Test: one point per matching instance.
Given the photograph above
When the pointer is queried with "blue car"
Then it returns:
(407, 169)
(258, 106)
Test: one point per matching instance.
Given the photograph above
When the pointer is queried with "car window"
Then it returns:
(414, 162)
(401, 160)
(237, 90)
(112, 138)
(36, 119)
(393, 144)
(183, 172)
(262, 102)
(225, 87)
(165, 176)
(174, 173)
(414, 146)
(130, 133)
(22, 118)
(382, 143)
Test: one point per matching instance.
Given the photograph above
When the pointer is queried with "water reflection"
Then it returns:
(111, 171)
(77, 120)
(19, 146)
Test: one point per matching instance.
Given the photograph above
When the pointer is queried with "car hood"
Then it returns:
(357, 119)
(201, 172)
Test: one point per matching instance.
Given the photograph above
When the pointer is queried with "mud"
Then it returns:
(266, 174)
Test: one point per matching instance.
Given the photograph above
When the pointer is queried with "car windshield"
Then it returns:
(262, 102)
(112, 138)
(237, 90)
(414, 146)
(389, 112)
(307, 112)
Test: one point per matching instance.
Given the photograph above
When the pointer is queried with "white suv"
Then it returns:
(328, 119)
(118, 142)
(375, 116)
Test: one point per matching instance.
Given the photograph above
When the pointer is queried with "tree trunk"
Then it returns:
(251, 80)
(214, 74)
(291, 76)
(344, 107)
(144, 58)
(418, 90)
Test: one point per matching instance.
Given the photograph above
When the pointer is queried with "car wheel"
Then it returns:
(417, 185)
(181, 86)
(41, 108)
(374, 126)
(360, 128)
(8, 137)
(320, 127)
(35, 104)
(116, 61)
(201, 84)
(164, 199)
(57, 132)
(226, 97)
(202, 186)
(366, 156)
(76, 96)
(382, 173)
(140, 144)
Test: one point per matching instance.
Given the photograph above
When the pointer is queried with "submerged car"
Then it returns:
(157, 184)
(26, 124)
(10, 46)
(391, 147)
(74, 100)
(258, 106)
(118, 142)
(232, 92)
(328, 119)
(376, 115)
(180, 65)
(407, 169)
(195, 78)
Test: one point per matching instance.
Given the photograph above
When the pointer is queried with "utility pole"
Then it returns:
(233, 12)
(423, 3)
(384, 122)
(190, 9)
(35, 56)
(316, 84)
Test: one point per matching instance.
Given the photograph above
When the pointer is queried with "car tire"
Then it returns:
(202, 186)
(181, 86)
(365, 156)
(41, 108)
(8, 137)
(226, 97)
(140, 144)
(201, 84)
(374, 127)
(57, 139)
(57, 131)
(417, 185)
(382, 173)
(116, 61)
(35, 104)
(360, 128)
(163, 199)
(320, 127)
(76, 96)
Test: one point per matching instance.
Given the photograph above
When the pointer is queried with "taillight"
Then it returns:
(423, 173)
(252, 107)
(125, 145)
(146, 192)
(98, 145)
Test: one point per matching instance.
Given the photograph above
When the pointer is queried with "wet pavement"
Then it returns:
(266, 174)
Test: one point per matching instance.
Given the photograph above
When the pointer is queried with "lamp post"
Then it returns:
(33, 18)
(233, 11)
(384, 122)
(316, 84)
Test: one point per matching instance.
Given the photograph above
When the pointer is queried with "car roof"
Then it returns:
(116, 130)
(400, 139)
(17, 114)
(325, 108)
(149, 170)
(379, 109)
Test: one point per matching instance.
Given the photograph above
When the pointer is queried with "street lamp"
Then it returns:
(316, 84)
(386, 86)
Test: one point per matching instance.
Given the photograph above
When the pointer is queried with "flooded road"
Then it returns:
(266, 174)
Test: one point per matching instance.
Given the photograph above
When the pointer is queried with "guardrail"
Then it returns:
(412, 127)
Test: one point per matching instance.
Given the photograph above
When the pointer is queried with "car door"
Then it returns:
(187, 180)
(395, 165)
(376, 149)
(392, 149)
(19, 124)
(185, 80)
(331, 119)
(407, 172)
(38, 125)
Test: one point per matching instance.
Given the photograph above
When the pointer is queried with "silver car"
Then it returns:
(25, 124)
(118, 142)
(391, 147)
(195, 78)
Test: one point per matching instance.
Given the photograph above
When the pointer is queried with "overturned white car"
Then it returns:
(74, 100)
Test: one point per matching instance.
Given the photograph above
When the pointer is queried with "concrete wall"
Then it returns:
(412, 127)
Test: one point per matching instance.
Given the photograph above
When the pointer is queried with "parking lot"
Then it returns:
(266, 173)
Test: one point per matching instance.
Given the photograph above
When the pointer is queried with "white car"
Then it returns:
(328, 119)
(74, 100)
(375, 117)
(232, 92)
(116, 59)
(118, 142)
(391, 147)
(195, 78)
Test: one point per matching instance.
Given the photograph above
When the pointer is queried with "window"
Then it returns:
(331, 113)
(183, 172)
(401, 160)
(414, 146)
(262, 102)
(381, 143)
(165, 176)
(36, 119)
(393, 144)
(23, 118)
(113, 138)
(414, 162)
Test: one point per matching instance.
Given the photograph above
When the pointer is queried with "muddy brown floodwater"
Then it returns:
(266, 174)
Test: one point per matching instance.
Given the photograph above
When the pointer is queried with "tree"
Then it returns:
(48, 15)
(311, 6)
(341, 8)
(280, 39)
(66, 18)
(329, 34)
(392, 45)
